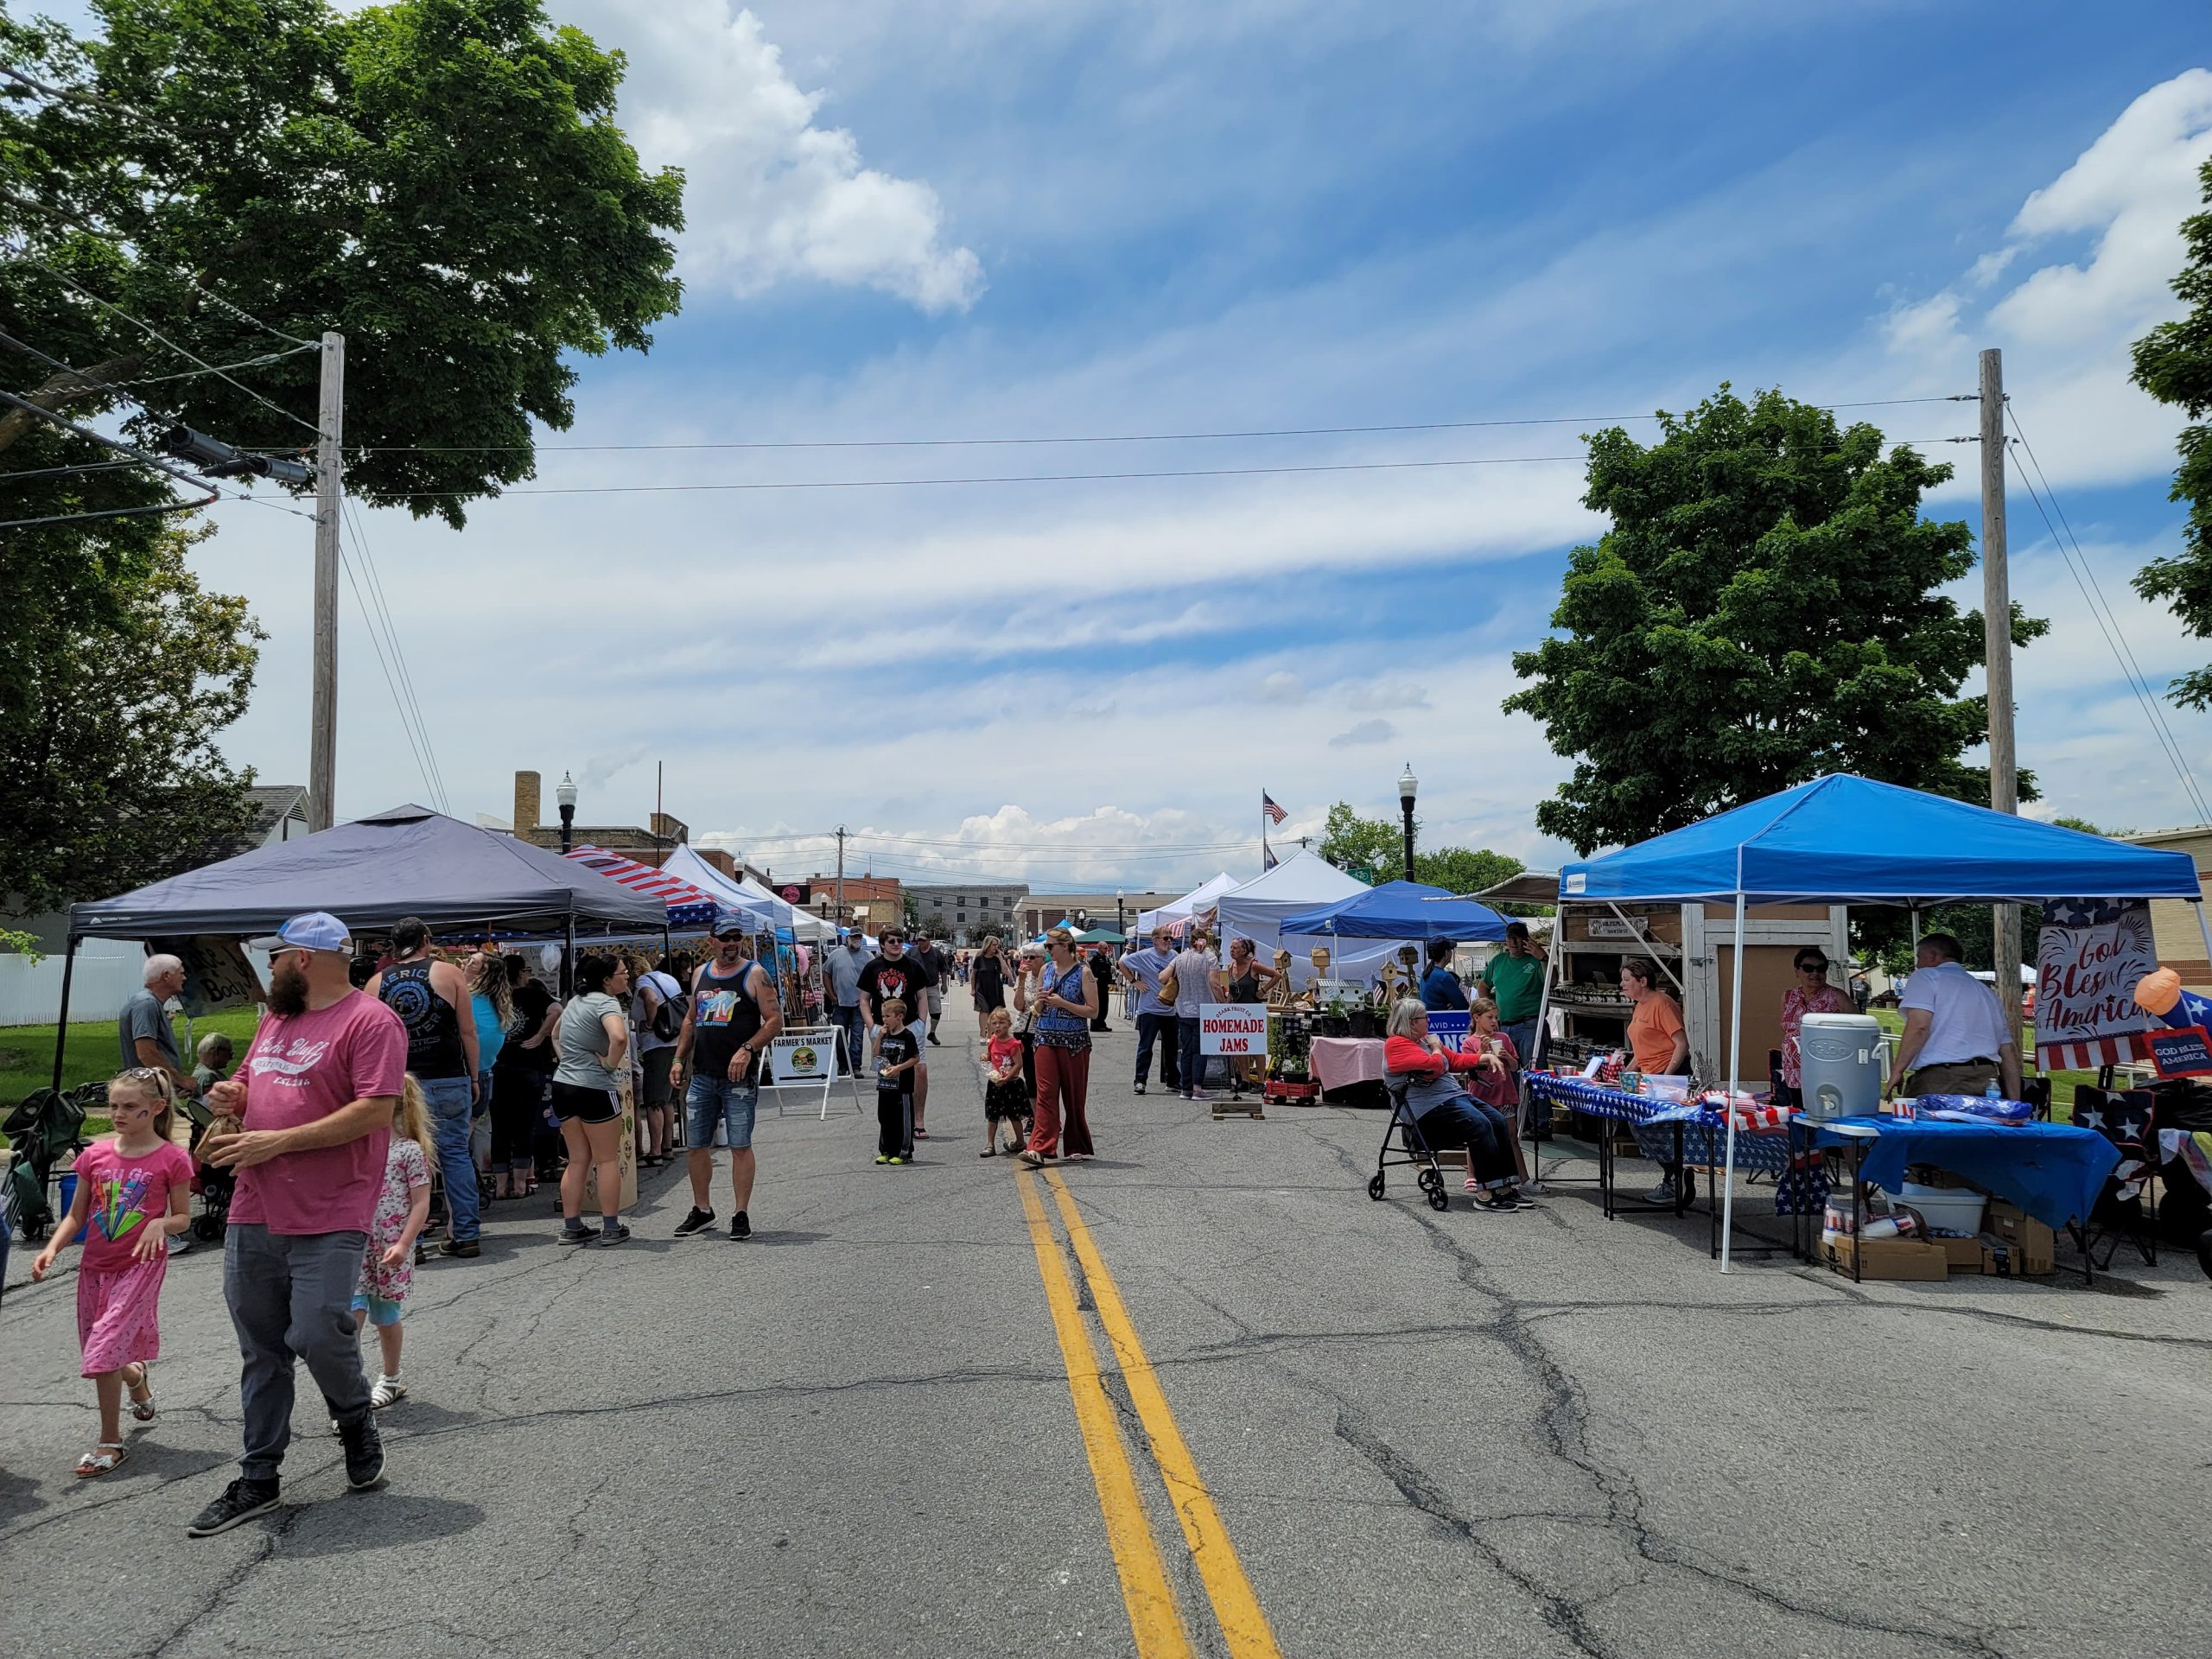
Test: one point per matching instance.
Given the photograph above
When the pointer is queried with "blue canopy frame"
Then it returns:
(1400, 910)
(1842, 839)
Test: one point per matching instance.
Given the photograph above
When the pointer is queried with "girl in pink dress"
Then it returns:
(133, 1196)
(388, 1265)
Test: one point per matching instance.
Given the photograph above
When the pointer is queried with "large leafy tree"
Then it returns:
(2173, 363)
(1766, 606)
(441, 180)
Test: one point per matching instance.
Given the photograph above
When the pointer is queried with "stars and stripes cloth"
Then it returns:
(1275, 814)
(687, 905)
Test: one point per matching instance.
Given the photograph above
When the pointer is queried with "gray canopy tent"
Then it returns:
(371, 874)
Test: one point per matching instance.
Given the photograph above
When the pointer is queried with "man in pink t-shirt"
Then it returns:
(315, 1095)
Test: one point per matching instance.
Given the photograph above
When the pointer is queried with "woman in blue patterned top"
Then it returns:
(1067, 1001)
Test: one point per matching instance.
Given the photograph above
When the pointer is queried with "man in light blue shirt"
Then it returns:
(1155, 1019)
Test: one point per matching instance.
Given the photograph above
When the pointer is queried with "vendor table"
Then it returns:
(1668, 1131)
(2052, 1170)
(1338, 1061)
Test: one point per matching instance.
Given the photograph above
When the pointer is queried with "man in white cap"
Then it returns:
(315, 1094)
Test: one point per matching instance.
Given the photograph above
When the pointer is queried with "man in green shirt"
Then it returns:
(1515, 981)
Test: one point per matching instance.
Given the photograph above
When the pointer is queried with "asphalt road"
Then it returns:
(1384, 1431)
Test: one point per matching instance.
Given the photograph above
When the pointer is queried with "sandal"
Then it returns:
(103, 1459)
(988, 1152)
(142, 1409)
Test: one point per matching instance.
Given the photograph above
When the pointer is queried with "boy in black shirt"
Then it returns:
(898, 1056)
(896, 973)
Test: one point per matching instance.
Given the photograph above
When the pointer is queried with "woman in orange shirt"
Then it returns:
(1659, 1045)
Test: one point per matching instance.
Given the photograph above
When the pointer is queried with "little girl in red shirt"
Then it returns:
(135, 1192)
(1006, 1096)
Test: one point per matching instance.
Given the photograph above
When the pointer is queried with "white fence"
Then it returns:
(109, 972)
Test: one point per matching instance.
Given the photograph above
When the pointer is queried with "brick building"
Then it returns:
(966, 912)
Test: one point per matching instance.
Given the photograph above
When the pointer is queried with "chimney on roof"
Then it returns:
(528, 787)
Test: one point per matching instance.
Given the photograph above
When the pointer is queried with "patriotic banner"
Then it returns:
(2088, 958)
(687, 905)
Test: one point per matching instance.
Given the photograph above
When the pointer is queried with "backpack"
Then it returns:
(668, 1018)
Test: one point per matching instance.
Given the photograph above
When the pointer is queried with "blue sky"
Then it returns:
(1018, 219)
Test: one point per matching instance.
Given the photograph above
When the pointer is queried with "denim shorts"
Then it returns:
(711, 1101)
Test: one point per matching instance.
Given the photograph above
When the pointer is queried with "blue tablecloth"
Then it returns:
(1705, 1132)
(2053, 1171)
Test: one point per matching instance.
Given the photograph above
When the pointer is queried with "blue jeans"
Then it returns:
(848, 1021)
(452, 1102)
(1524, 1033)
(710, 1101)
(1188, 1031)
(1158, 1028)
(292, 1299)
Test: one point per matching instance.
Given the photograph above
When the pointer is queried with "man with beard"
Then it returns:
(315, 1095)
(734, 1012)
(931, 961)
(895, 973)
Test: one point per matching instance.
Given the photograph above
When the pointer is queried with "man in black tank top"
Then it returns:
(431, 999)
(734, 1012)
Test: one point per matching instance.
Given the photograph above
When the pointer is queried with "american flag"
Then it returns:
(1275, 814)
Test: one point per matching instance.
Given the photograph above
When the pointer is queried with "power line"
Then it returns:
(406, 729)
(399, 654)
(2106, 619)
(243, 363)
(1123, 437)
(995, 845)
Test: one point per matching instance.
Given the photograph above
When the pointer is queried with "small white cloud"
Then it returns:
(768, 195)
(1388, 694)
(1367, 732)
(1282, 687)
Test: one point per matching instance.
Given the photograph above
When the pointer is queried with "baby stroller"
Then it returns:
(213, 1184)
(45, 1127)
(1402, 1136)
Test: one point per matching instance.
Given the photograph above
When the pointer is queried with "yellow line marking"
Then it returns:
(1236, 1605)
(1155, 1620)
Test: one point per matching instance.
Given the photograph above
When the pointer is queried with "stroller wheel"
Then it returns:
(1430, 1181)
(1375, 1185)
(1438, 1198)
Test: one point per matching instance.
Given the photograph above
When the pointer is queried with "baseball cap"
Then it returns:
(318, 929)
(731, 924)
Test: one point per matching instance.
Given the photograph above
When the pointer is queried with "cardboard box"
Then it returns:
(1887, 1258)
(1963, 1254)
(2033, 1245)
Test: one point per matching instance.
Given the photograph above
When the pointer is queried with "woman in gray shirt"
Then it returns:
(593, 1044)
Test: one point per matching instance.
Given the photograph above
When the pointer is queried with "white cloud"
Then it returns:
(1367, 732)
(1282, 687)
(769, 194)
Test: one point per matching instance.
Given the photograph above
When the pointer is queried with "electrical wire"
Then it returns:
(2106, 619)
(1032, 845)
(243, 363)
(405, 727)
(399, 655)
(1125, 437)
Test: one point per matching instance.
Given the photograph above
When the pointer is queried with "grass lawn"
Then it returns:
(27, 1053)
(2061, 1083)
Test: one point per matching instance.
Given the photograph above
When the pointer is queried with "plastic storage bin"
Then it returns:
(1945, 1209)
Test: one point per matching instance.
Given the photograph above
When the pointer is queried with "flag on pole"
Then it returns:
(1267, 859)
(1275, 814)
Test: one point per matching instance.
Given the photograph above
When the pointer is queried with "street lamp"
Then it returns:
(566, 794)
(1118, 896)
(1407, 784)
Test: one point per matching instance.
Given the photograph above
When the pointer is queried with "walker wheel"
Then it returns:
(207, 1228)
(1375, 1185)
(1438, 1198)
(1430, 1181)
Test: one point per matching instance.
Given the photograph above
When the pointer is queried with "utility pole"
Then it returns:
(322, 734)
(841, 875)
(1997, 646)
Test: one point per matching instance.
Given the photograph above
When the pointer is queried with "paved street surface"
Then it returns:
(1387, 1432)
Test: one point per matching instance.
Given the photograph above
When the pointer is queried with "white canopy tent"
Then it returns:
(1200, 898)
(1305, 881)
(746, 894)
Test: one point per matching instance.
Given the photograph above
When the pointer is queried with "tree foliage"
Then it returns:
(115, 775)
(1377, 847)
(2173, 363)
(1765, 607)
(440, 180)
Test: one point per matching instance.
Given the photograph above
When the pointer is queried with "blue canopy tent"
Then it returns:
(1846, 840)
(1399, 910)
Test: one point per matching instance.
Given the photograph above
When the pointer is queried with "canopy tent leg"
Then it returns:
(2203, 926)
(568, 953)
(61, 1021)
(1735, 1069)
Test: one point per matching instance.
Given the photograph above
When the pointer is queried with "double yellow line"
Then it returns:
(1154, 1617)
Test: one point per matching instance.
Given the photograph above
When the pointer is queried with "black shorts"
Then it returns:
(586, 1105)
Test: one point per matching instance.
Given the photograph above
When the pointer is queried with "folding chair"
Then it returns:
(1402, 1136)
(2126, 1209)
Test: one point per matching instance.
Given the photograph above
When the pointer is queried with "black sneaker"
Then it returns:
(697, 1222)
(740, 1225)
(577, 1236)
(461, 1247)
(1140, 1085)
(363, 1452)
(241, 1501)
(614, 1235)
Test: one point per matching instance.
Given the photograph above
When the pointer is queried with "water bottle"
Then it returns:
(1990, 1091)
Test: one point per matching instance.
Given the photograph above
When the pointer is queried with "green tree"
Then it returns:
(116, 776)
(1354, 844)
(1766, 606)
(2173, 363)
(1462, 869)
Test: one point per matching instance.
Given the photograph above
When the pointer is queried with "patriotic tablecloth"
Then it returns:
(1705, 1132)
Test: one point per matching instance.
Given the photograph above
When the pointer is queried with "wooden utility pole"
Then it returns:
(329, 484)
(1997, 645)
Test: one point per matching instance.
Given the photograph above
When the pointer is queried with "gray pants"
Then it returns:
(291, 1298)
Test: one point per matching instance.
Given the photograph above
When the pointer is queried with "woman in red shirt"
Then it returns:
(1447, 1115)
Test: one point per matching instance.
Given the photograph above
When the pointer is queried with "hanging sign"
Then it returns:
(1238, 1029)
(2089, 957)
(2184, 1053)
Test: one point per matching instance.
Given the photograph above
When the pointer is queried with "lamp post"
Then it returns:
(566, 794)
(1118, 896)
(1407, 784)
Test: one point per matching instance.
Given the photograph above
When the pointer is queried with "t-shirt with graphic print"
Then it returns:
(302, 1068)
(126, 1192)
(898, 1047)
(906, 979)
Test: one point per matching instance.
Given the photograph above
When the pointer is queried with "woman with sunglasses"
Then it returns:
(1811, 994)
